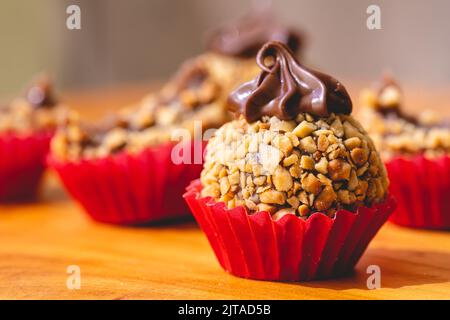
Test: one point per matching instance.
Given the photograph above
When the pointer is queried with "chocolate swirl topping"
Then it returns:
(389, 103)
(389, 98)
(245, 37)
(284, 89)
(387, 82)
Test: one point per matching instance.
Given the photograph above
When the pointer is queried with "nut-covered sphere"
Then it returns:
(306, 165)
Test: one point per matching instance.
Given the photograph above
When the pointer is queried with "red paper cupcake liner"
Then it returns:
(22, 163)
(422, 189)
(130, 189)
(289, 249)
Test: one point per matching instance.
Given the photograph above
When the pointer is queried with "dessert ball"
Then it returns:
(27, 124)
(397, 133)
(293, 189)
(37, 110)
(130, 156)
(294, 147)
(195, 94)
(298, 166)
(416, 151)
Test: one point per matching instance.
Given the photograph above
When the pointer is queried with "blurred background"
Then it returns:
(133, 41)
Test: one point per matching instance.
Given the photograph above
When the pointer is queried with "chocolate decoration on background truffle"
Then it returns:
(389, 103)
(190, 76)
(40, 93)
(389, 94)
(389, 99)
(284, 89)
(193, 86)
(245, 37)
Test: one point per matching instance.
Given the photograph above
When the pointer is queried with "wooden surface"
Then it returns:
(38, 241)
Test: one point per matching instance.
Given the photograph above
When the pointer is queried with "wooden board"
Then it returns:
(38, 241)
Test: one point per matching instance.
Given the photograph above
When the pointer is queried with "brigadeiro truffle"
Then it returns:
(416, 151)
(293, 189)
(133, 168)
(26, 126)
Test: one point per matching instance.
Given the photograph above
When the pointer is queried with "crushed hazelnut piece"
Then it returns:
(311, 184)
(307, 144)
(272, 196)
(325, 199)
(339, 170)
(282, 180)
(304, 129)
(307, 163)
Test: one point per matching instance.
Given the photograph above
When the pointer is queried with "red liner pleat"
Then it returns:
(422, 188)
(290, 249)
(22, 163)
(130, 189)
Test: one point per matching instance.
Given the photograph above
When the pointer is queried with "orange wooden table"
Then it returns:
(39, 241)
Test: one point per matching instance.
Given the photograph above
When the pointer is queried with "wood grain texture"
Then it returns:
(39, 240)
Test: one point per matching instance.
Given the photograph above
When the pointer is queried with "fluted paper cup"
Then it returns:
(422, 189)
(289, 249)
(22, 163)
(130, 188)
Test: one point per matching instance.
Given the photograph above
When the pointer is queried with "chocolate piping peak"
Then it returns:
(284, 89)
(391, 107)
(40, 93)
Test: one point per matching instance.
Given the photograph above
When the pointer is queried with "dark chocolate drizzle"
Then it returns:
(245, 37)
(285, 88)
(40, 93)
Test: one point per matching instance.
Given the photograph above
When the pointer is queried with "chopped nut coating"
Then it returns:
(333, 166)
